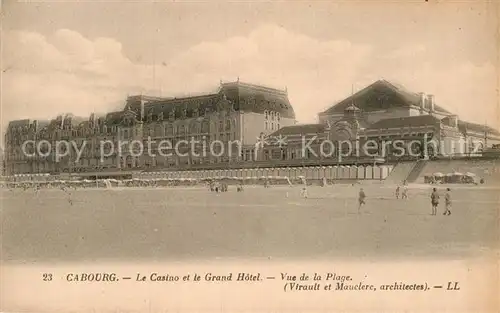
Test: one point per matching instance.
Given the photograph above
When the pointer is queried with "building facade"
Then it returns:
(384, 121)
(234, 116)
(253, 126)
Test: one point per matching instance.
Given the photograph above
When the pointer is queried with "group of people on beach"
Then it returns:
(435, 197)
(218, 187)
(435, 201)
(404, 194)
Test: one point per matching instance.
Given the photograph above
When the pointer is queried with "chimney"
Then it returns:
(422, 100)
(430, 100)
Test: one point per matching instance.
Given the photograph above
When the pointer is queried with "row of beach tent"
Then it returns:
(455, 177)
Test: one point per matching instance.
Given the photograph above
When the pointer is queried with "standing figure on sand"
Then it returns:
(447, 202)
(434, 201)
(361, 199)
(303, 192)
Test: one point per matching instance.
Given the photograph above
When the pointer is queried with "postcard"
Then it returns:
(249, 156)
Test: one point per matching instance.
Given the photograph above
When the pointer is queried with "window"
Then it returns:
(205, 127)
(266, 114)
(266, 125)
(169, 130)
(221, 126)
(228, 125)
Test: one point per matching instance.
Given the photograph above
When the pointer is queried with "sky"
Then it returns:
(69, 57)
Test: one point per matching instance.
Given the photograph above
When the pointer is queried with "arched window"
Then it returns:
(205, 127)
(228, 125)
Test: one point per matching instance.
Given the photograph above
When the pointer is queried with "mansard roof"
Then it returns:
(178, 105)
(411, 121)
(301, 129)
(19, 123)
(381, 95)
(238, 96)
(257, 99)
(113, 118)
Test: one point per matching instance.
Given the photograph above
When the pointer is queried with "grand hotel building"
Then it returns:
(236, 112)
(242, 112)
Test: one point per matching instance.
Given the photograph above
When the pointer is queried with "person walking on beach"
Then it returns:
(361, 199)
(404, 195)
(447, 202)
(303, 192)
(434, 201)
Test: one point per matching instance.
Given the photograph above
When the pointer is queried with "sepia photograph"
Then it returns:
(339, 156)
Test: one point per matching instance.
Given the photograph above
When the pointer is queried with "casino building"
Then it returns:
(383, 112)
(236, 112)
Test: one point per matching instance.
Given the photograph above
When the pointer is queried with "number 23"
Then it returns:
(47, 277)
